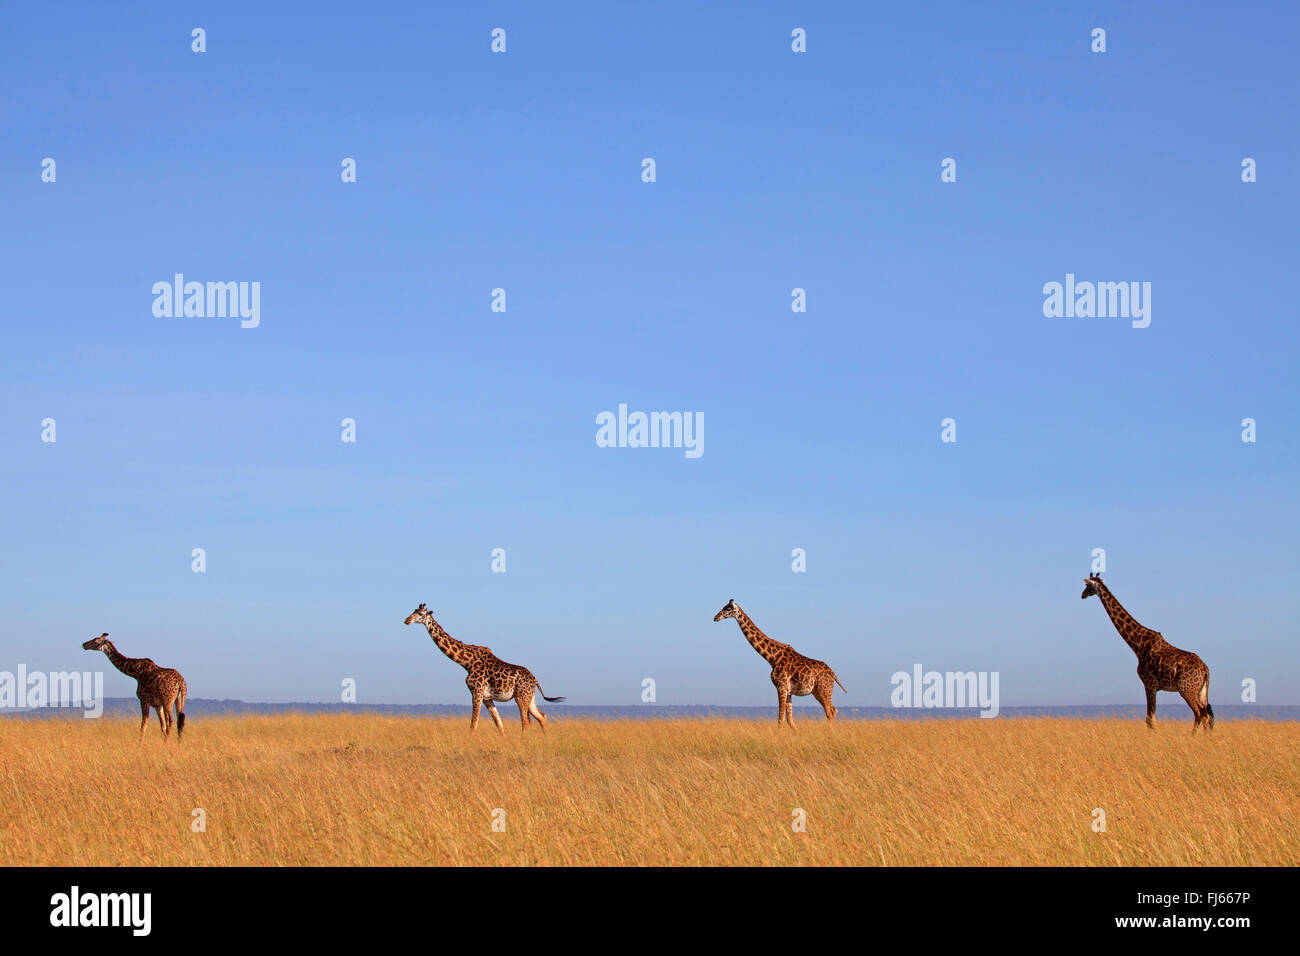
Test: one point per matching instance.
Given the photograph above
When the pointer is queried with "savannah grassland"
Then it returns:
(365, 789)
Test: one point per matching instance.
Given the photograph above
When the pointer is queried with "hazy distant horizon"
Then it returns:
(200, 707)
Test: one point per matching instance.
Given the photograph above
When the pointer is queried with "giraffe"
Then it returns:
(157, 687)
(489, 678)
(1161, 666)
(792, 673)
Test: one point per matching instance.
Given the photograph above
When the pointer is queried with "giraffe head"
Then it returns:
(96, 643)
(1092, 584)
(420, 615)
(731, 610)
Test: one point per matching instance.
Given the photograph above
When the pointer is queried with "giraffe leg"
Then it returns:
(168, 720)
(162, 721)
(823, 693)
(536, 714)
(1191, 696)
(475, 703)
(144, 720)
(496, 718)
(1151, 705)
(528, 712)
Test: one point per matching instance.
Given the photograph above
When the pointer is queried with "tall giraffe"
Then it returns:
(489, 678)
(1161, 666)
(792, 673)
(157, 687)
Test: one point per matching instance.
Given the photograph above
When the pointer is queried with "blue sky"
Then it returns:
(476, 430)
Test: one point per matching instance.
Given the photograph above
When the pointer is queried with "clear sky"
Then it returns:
(476, 429)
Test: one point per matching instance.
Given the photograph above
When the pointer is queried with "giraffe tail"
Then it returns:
(180, 711)
(1205, 700)
(553, 700)
(837, 680)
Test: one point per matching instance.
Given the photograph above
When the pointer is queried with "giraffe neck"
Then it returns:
(448, 644)
(135, 667)
(765, 646)
(1135, 635)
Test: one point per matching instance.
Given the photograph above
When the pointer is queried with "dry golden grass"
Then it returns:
(373, 790)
